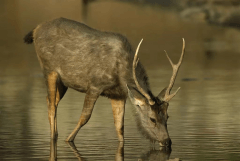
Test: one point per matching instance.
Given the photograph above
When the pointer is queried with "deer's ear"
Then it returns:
(162, 94)
(135, 96)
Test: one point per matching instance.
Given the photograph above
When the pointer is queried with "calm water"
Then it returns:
(204, 121)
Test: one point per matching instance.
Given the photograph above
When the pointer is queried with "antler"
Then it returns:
(135, 62)
(175, 67)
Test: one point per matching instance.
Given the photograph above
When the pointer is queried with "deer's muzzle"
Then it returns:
(167, 142)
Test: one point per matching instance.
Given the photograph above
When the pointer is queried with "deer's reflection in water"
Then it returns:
(53, 151)
(160, 155)
(75, 151)
(163, 154)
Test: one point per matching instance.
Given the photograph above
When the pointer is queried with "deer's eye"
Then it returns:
(153, 120)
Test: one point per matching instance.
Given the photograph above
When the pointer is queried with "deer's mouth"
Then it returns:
(166, 150)
(166, 143)
(161, 144)
(164, 146)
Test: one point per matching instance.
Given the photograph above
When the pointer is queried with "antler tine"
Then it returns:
(169, 58)
(175, 67)
(183, 51)
(135, 62)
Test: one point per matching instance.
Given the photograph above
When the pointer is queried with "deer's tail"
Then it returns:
(28, 39)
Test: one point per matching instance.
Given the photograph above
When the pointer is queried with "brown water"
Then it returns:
(204, 121)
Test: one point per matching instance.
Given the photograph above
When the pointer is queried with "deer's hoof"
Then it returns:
(70, 139)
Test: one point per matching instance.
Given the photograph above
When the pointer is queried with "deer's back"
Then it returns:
(84, 57)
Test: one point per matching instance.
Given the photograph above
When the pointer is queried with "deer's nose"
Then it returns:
(166, 142)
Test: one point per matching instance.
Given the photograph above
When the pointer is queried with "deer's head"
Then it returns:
(151, 110)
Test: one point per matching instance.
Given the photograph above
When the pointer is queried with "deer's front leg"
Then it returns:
(89, 102)
(118, 107)
(119, 156)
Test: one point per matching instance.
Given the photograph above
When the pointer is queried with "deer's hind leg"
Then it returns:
(56, 91)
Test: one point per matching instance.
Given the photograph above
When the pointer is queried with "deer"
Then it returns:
(99, 63)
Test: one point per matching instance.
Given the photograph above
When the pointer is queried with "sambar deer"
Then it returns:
(73, 55)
